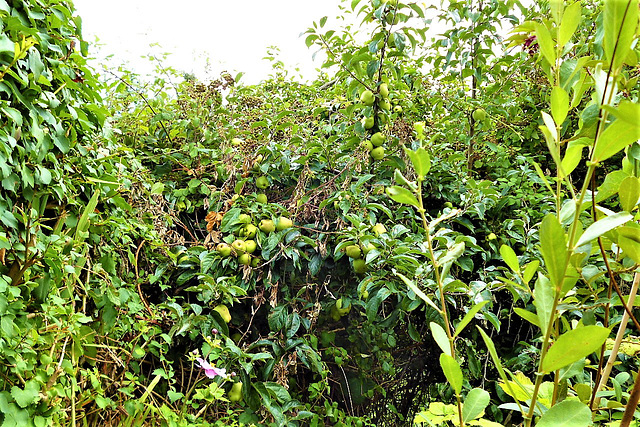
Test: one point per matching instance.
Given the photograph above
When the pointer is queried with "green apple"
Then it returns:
(367, 145)
(262, 182)
(479, 115)
(250, 246)
(397, 109)
(244, 259)
(261, 198)
(224, 312)
(368, 122)
(367, 98)
(255, 261)
(367, 247)
(283, 223)
(377, 153)
(239, 246)
(359, 266)
(385, 104)
(235, 394)
(223, 249)
(244, 218)
(267, 226)
(343, 307)
(379, 229)
(353, 251)
(250, 231)
(377, 139)
(237, 141)
(384, 90)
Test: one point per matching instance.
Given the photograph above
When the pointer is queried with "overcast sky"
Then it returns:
(232, 34)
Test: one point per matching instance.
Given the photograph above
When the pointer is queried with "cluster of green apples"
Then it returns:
(375, 143)
(339, 309)
(358, 253)
(244, 245)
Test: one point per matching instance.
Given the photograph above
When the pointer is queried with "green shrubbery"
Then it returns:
(174, 252)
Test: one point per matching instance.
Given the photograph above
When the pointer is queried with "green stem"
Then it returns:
(443, 302)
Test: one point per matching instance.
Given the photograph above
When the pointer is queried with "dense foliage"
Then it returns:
(436, 231)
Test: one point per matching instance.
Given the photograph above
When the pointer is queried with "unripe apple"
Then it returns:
(379, 229)
(267, 226)
(235, 394)
(250, 246)
(283, 223)
(377, 139)
(244, 259)
(479, 115)
(223, 249)
(377, 153)
(239, 246)
(384, 90)
(359, 266)
(368, 122)
(385, 104)
(261, 198)
(244, 218)
(262, 182)
(367, 145)
(367, 98)
(250, 231)
(255, 262)
(353, 251)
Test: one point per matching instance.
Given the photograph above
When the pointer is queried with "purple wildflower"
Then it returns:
(211, 371)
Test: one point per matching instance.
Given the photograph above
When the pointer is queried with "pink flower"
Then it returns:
(211, 371)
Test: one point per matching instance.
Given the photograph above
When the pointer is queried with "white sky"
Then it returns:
(232, 34)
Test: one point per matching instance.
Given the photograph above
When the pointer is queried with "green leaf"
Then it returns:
(553, 246)
(570, 21)
(543, 301)
(528, 316)
(83, 222)
(452, 371)
(440, 337)
(629, 241)
(614, 139)
(626, 111)
(469, 316)
(530, 270)
(620, 21)
(418, 291)
(545, 42)
(157, 188)
(421, 161)
(27, 396)
(559, 104)
(475, 404)
(603, 225)
(629, 193)
(573, 346)
(568, 413)
(402, 195)
(510, 258)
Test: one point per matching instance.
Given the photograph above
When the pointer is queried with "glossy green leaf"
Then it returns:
(603, 225)
(424, 297)
(510, 258)
(528, 316)
(547, 47)
(559, 104)
(620, 22)
(452, 372)
(421, 161)
(568, 413)
(402, 195)
(626, 111)
(573, 346)
(469, 316)
(570, 21)
(440, 337)
(543, 301)
(629, 193)
(530, 270)
(629, 241)
(474, 404)
(614, 139)
(553, 246)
